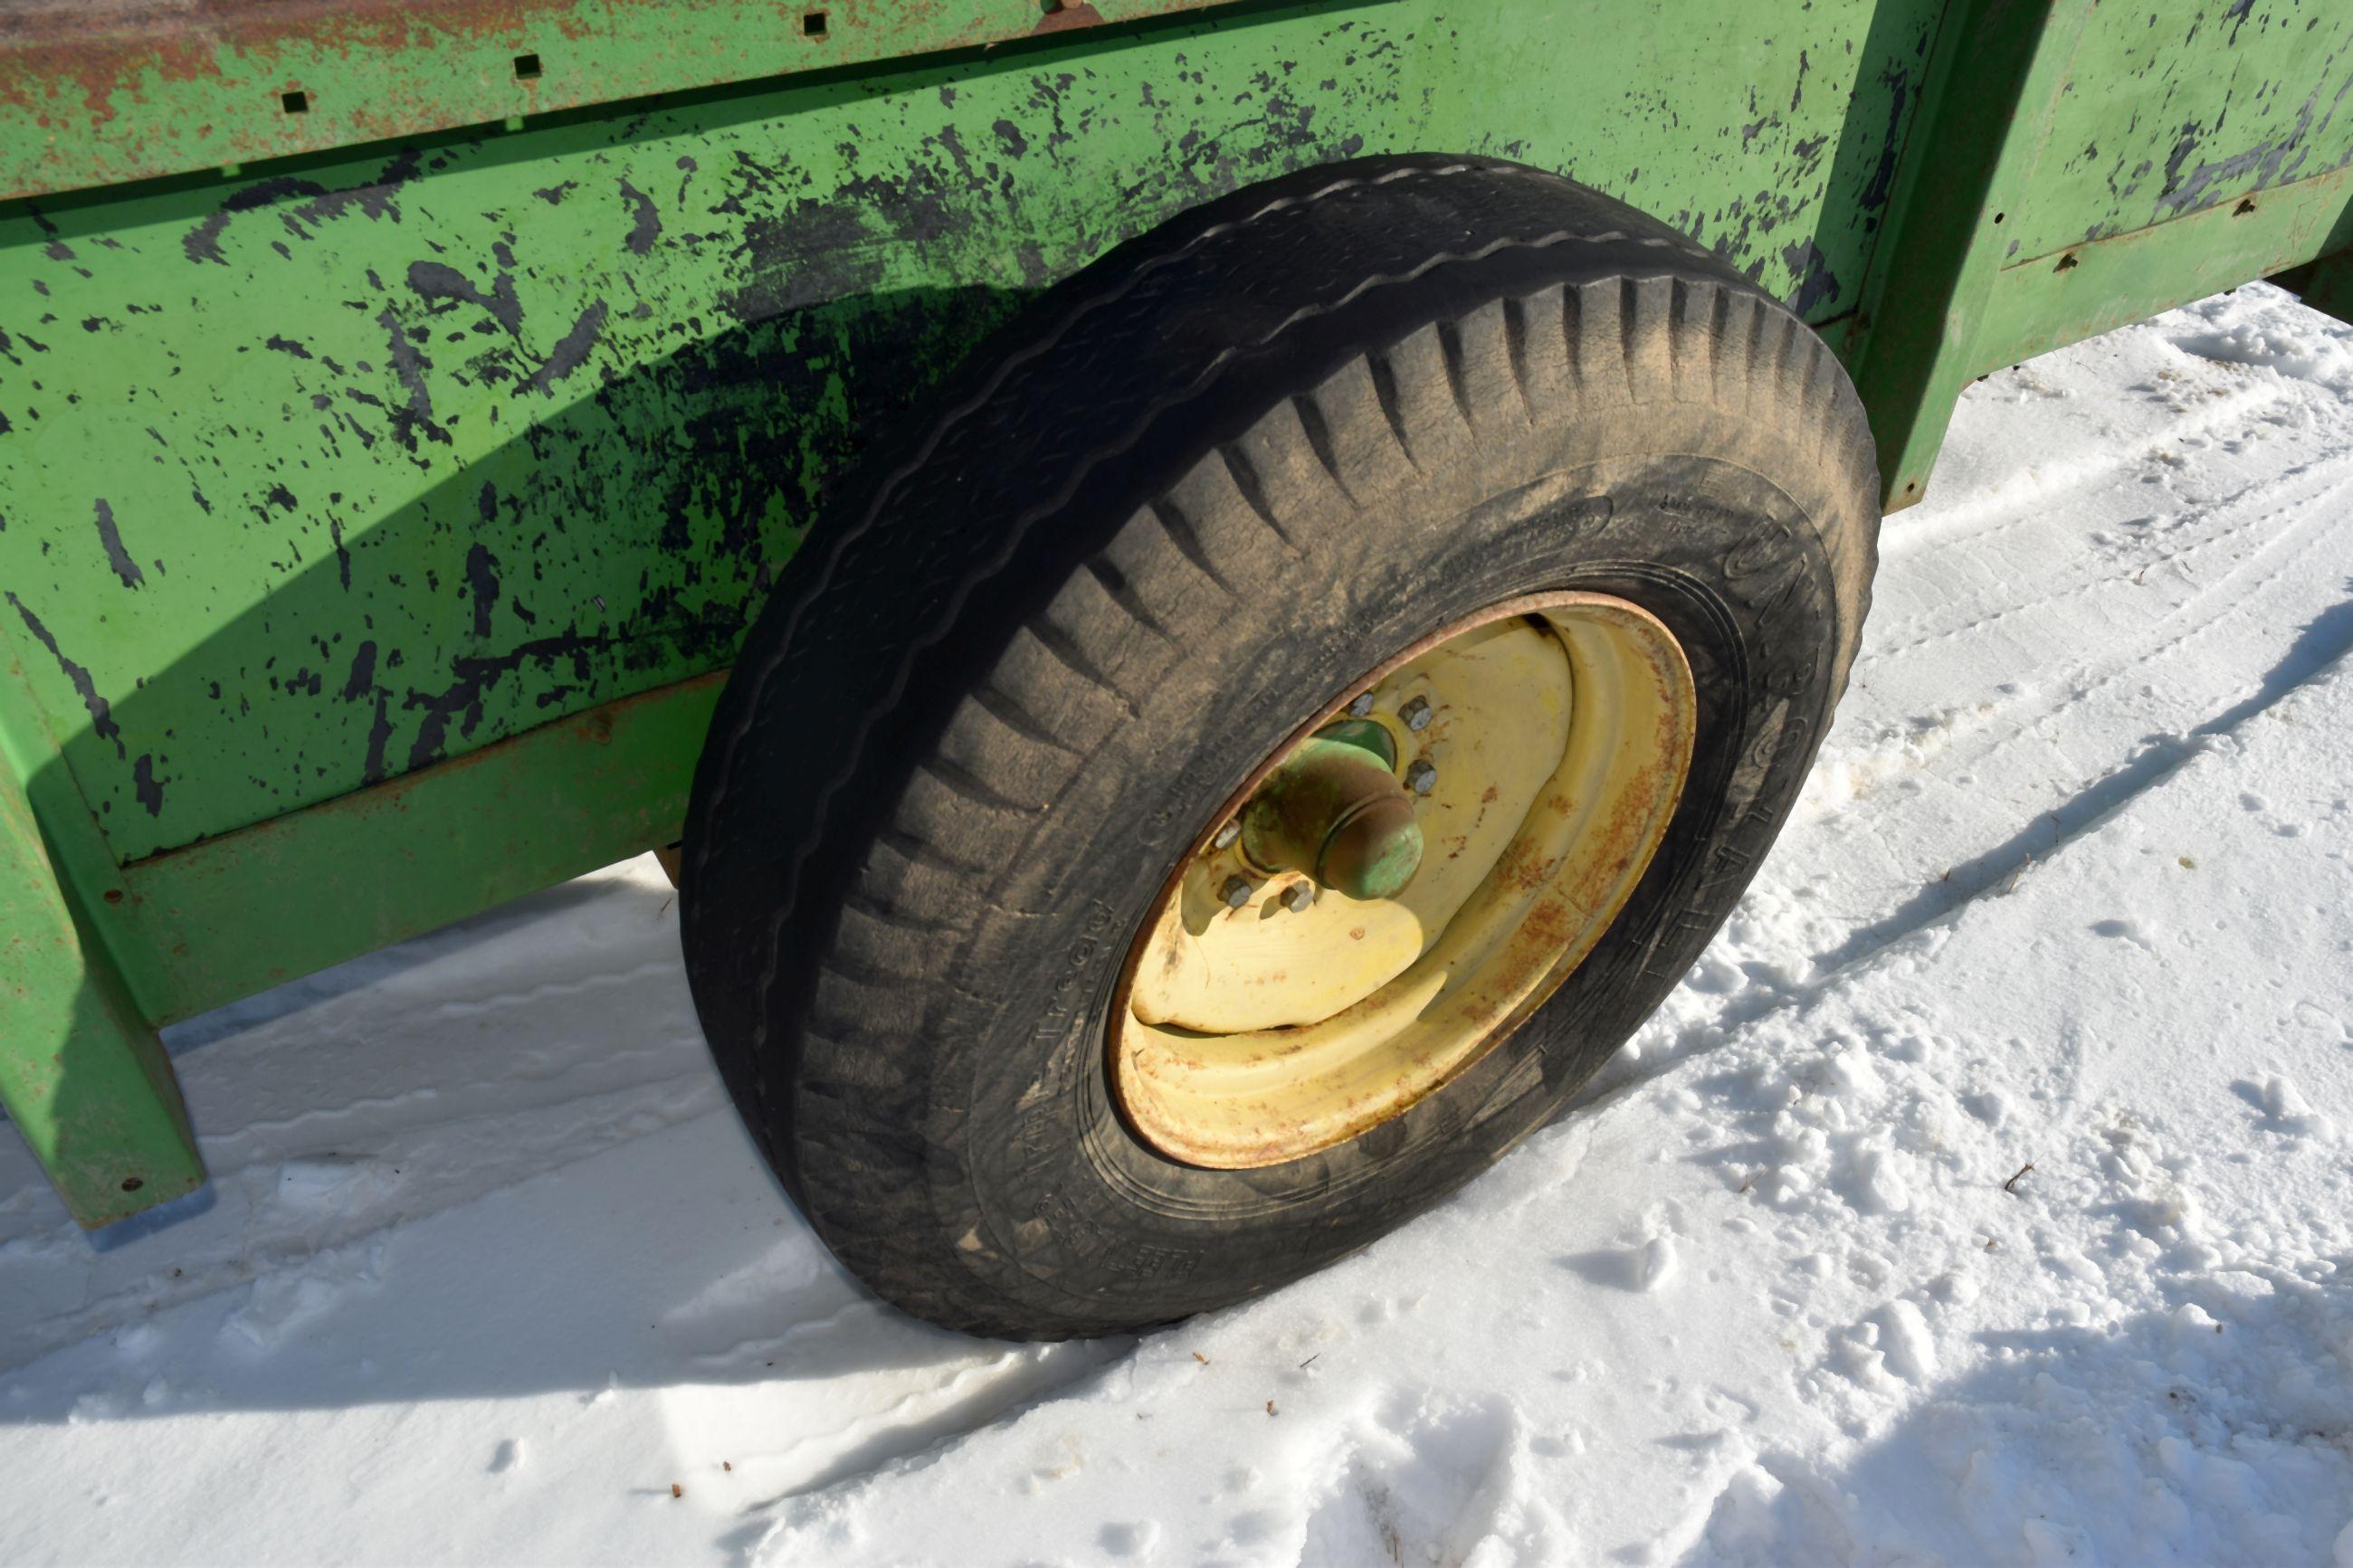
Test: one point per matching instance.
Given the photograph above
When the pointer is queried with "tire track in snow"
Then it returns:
(2302, 509)
(1994, 873)
(1996, 510)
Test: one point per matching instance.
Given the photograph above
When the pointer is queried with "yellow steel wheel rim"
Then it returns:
(1262, 1017)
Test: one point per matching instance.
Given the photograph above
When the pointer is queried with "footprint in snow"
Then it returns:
(1129, 1540)
(2123, 930)
(1637, 1269)
(2285, 1107)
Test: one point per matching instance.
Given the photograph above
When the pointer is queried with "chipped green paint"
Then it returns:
(2051, 126)
(102, 92)
(375, 866)
(2169, 110)
(83, 1075)
(1989, 97)
(373, 522)
(2035, 306)
(333, 473)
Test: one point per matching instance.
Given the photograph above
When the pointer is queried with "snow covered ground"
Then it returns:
(1980, 1197)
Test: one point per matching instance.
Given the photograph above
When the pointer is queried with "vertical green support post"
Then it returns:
(2327, 284)
(83, 1075)
(1996, 72)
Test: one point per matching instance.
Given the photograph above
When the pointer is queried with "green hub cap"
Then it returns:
(1334, 809)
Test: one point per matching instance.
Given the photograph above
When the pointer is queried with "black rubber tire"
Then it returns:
(1184, 500)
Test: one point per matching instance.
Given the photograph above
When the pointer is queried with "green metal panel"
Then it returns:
(2047, 121)
(2170, 109)
(2038, 305)
(1992, 90)
(373, 523)
(83, 1075)
(366, 870)
(98, 92)
(316, 478)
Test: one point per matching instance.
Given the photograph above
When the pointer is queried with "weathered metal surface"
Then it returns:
(376, 866)
(317, 477)
(2046, 124)
(1560, 726)
(97, 92)
(317, 480)
(2169, 110)
(2043, 302)
(82, 1076)
(1991, 87)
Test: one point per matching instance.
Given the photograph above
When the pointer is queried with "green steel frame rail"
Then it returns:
(387, 478)
(104, 92)
(2065, 178)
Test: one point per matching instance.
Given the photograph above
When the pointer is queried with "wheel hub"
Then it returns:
(1333, 808)
(1397, 888)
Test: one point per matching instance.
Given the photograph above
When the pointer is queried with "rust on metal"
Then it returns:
(94, 92)
(1061, 18)
(1556, 789)
(106, 47)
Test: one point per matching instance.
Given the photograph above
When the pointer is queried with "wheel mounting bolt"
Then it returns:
(1417, 713)
(1235, 892)
(1421, 776)
(1360, 704)
(1299, 894)
(1227, 834)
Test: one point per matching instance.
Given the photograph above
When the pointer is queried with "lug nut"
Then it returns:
(1360, 704)
(1235, 892)
(1421, 776)
(1227, 834)
(1299, 894)
(1417, 714)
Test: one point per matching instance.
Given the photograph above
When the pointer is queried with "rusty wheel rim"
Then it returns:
(1263, 1015)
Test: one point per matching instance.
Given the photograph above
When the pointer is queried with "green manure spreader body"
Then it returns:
(405, 410)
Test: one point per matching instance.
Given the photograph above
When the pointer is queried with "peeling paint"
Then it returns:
(102, 714)
(645, 223)
(570, 350)
(144, 785)
(510, 425)
(2189, 115)
(126, 569)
